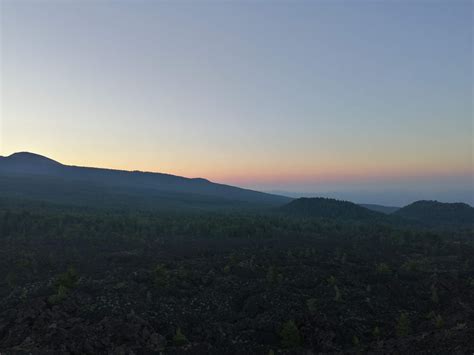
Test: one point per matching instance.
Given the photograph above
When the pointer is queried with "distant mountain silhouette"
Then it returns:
(25, 162)
(31, 175)
(379, 208)
(438, 213)
(329, 208)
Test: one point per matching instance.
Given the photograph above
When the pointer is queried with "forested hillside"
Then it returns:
(330, 208)
(436, 213)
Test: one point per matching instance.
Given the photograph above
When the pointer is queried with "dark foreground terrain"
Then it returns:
(97, 281)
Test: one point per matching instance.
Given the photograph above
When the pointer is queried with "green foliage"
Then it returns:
(438, 321)
(434, 294)
(376, 332)
(65, 282)
(23, 294)
(68, 279)
(312, 304)
(179, 338)
(59, 296)
(416, 265)
(183, 273)
(161, 276)
(233, 260)
(471, 282)
(332, 280)
(11, 279)
(24, 262)
(383, 269)
(403, 325)
(290, 335)
(273, 277)
(355, 341)
(343, 258)
(337, 295)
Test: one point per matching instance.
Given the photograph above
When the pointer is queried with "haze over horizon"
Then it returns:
(363, 101)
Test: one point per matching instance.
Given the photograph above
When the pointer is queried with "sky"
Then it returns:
(364, 100)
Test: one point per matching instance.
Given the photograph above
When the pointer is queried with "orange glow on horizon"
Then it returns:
(249, 173)
(281, 175)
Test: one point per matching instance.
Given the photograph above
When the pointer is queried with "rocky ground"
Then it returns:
(317, 293)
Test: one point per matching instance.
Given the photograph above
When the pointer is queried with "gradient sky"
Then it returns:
(367, 100)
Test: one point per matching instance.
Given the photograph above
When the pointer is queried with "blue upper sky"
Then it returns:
(371, 99)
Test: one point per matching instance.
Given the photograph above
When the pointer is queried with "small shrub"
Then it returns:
(438, 321)
(430, 315)
(434, 294)
(416, 265)
(233, 260)
(332, 280)
(343, 258)
(183, 273)
(403, 324)
(376, 332)
(312, 305)
(65, 282)
(290, 335)
(383, 269)
(59, 296)
(355, 341)
(11, 279)
(23, 294)
(179, 338)
(160, 276)
(68, 279)
(273, 277)
(337, 296)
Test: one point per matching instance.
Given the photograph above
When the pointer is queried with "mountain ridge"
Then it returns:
(38, 158)
(432, 212)
(323, 207)
(46, 170)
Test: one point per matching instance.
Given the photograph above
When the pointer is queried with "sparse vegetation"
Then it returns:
(376, 332)
(383, 269)
(434, 294)
(337, 293)
(65, 282)
(403, 325)
(312, 305)
(290, 335)
(161, 276)
(143, 273)
(273, 277)
(179, 338)
(438, 321)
